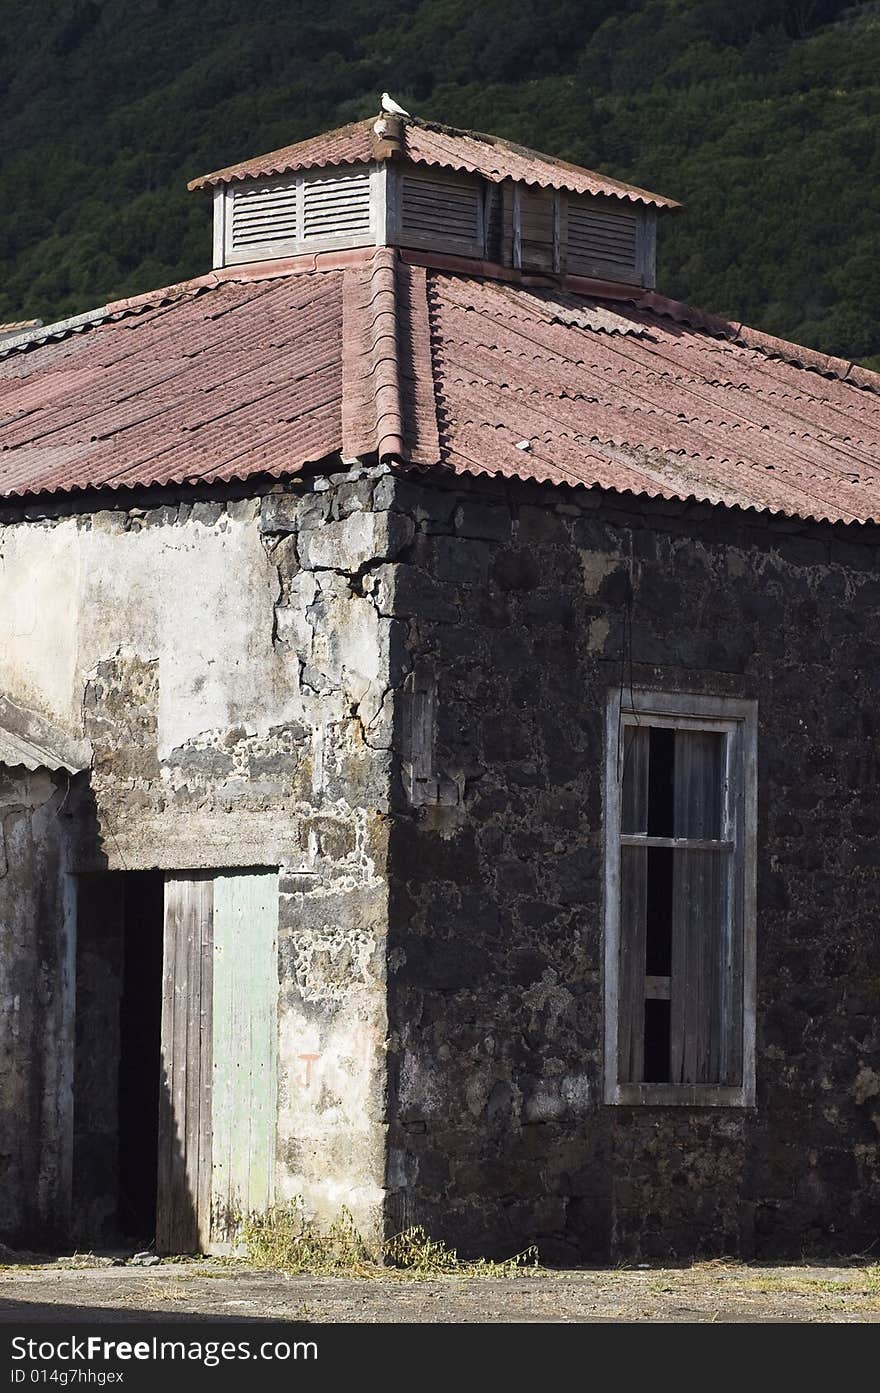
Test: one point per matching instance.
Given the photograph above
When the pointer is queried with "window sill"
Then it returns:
(676, 1095)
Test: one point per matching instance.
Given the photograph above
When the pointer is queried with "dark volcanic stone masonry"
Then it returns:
(526, 605)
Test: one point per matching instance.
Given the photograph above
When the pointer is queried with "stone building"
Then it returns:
(439, 734)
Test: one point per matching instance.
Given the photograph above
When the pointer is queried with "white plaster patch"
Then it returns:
(575, 1090)
(543, 1105)
(200, 599)
(867, 1085)
(39, 583)
(595, 566)
(599, 631)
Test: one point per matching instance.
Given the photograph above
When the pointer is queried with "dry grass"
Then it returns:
(164, 1291)
(283, 1240)
(864, 1281)
(415, 1254)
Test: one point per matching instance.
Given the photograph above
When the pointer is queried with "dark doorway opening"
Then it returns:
(117, 1058)
(139, 1053)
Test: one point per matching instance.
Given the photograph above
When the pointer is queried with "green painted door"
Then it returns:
(244, 1049)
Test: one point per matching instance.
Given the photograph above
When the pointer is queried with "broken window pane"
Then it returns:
(661, 767)
(657, 1037)
(658, 925)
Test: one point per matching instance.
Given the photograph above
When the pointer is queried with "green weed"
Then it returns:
(284, 1240)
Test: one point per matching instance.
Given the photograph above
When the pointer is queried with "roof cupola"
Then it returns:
(399, 181)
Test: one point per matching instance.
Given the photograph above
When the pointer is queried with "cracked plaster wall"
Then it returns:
(232, 676)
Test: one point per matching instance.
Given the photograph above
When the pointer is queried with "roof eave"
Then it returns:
(285, 161)
(30, 741)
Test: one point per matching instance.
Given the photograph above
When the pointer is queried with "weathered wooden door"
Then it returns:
(219, 1056)
(245, 1048)
(183, 1201)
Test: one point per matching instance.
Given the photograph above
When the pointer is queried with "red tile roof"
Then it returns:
(388, 403)
(215, 385)
(260, 370)
(649, 402)
(352, 144)
(441, 146)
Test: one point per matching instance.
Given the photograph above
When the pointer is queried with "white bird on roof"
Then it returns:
(390, 106)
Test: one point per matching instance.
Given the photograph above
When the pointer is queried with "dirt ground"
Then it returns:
(103, 1289)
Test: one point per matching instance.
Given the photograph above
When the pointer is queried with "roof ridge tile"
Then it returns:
(373, 363)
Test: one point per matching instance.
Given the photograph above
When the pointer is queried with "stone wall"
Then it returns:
(36, 981)
(523, 605)
(230, 672)
(394, 690)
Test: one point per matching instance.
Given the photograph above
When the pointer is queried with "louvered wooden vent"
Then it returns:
(441, 213)
(265, 215)
(337, 206)
(288, 216)
(601, 242)
(534, 230)
(537, 234)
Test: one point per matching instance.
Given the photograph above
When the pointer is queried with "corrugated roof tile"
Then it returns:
(673, 408)
(622, 390)
(237, 378)
(444, 147)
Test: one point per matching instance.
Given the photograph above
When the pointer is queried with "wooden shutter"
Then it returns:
(699, 914)
(419, 720)
(265, 215)
(537, 220)
(442, 212)
(184, 1208)
(634, 803)
(704, 986)
(337, 206)
(699, 911)
(680, 902)
(493, 219)
(245, 1048)
(698, 780)
(601, 241)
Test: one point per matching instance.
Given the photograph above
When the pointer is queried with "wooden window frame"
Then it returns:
(722, 714)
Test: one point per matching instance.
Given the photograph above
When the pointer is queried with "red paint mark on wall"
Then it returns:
(309, 1060)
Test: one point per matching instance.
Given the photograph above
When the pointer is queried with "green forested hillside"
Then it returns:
(761, 116)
